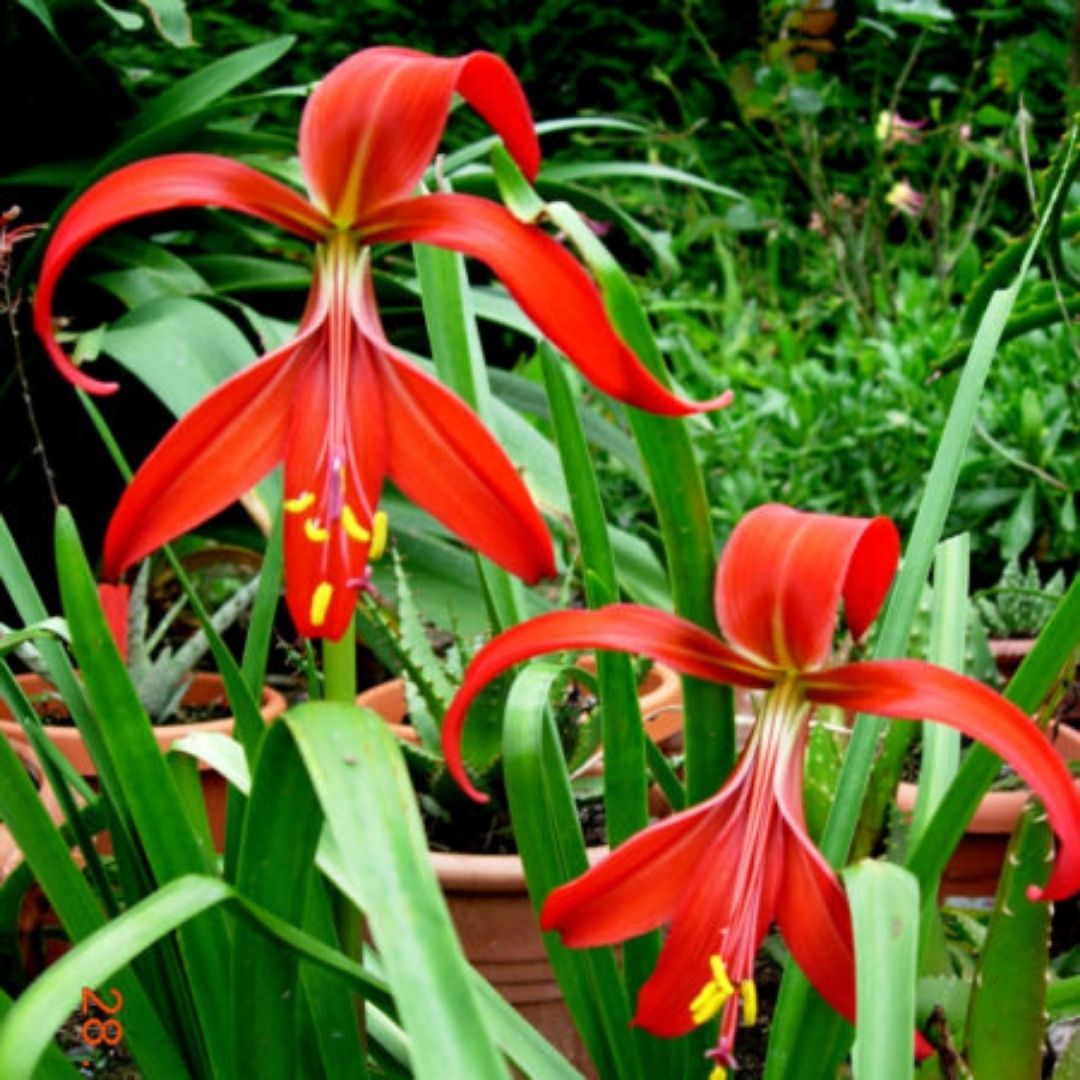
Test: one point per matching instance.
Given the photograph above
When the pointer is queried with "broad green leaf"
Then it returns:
(171, 848)
(1005, 1022)
(552, 851)
(172, 21)
(179, 348)
(373, 825)
(884, 902)
(637, 170)
(277, 852)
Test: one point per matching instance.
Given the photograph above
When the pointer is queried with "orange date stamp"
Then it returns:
(97, 1030)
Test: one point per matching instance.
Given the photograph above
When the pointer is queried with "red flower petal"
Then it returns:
(216, 452)
(783, 572)
(446, 461)
(659, 635)
(149, 187)
(545, 279)
(913, 690)
(638, 886)
(373, 125)
(114, 601)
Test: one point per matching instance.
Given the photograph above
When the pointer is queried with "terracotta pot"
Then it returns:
(660, 696)
(207, 688)
(500, 934)
(975, 866)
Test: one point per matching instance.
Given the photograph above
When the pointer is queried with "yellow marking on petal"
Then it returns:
(710, 999)
(353, 527)
(380, 527)
(300, 503)
(320, 602)
(748, 993)
(718, 1073)
(315, 532)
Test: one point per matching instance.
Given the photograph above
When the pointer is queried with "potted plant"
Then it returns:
(179, 700)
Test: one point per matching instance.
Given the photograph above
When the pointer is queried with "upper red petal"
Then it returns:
(913, 690)
(215, 453)
(545, 279)
(659, 635)
(372, 126)
(149, 187)
(783, 572)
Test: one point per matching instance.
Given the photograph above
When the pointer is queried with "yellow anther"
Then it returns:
(710, 1000)
(720, 975)
(320, 602)
(353, 527)
(315, 532)
(380, 526)
(300, 503)
(748, 993)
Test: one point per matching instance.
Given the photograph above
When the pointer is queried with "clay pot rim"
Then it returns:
(68, 739)
(998, 811)
(473, 872)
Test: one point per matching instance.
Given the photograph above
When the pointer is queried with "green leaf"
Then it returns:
(208, 85)
(203, 349)
(381, 861)
(884, 902)
(171, 20)
(638, 170)
(1006, 1019)
(552, 851)
(145, 786)
(1020, 526)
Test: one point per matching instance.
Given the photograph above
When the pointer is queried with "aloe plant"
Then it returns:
(431, 664)
(160, 673)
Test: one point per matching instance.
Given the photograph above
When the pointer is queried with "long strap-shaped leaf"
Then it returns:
(678, 489)
(549, 840)
(28, 1028)
(885, 921)
(148, 790)
(363, 787)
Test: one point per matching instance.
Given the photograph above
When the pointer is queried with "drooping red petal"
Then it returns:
(913, 690)
(444, 459)
(659, 635)
(812, 909)
(149, 187)
(114, 601)
(783, 572)
(638, 886)
(373, 125)
(215, 453)
(545, 279)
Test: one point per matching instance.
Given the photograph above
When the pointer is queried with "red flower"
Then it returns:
(720, 873)
(338, 404)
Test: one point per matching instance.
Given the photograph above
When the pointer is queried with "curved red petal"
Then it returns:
(913, 690)
(446, 461)
(638, 886)
(150, 187)
(659, 635)
(215, 453)
(115, 600)
(373, 125)
(545, 279)
(782, 575)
